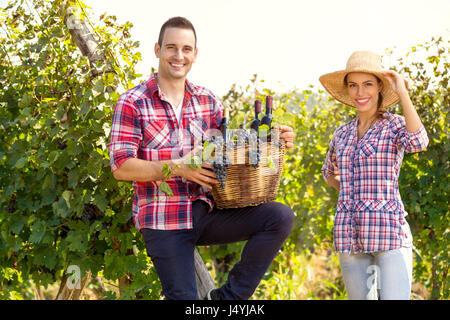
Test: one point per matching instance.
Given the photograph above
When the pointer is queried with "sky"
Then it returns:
(288, 43)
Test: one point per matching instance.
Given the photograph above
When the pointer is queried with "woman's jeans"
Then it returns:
(388, 271)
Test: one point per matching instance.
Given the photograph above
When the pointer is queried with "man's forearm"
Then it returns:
(141, 170)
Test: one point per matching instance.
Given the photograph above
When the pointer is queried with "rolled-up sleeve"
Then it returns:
(409, 141)
(126, 134)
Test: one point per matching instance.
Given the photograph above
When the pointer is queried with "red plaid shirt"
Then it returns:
(370, 215)
(145, 126)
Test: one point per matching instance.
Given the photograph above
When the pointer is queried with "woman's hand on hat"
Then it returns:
(400, 86)
(397, 82)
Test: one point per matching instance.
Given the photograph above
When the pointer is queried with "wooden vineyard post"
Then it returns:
(68, 291)
(205, 283)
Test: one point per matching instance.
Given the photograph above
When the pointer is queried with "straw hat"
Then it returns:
(359, 61)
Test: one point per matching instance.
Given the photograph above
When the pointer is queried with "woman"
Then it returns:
(371, 234)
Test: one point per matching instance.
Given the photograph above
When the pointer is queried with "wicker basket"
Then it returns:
(247, 186)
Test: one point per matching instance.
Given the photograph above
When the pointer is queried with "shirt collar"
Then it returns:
(377, 123)
(152, 86)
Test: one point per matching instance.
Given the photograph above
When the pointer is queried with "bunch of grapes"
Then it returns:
(92, 214)
(254, 155)
(220, 169)
(220, 162)
(241, 138)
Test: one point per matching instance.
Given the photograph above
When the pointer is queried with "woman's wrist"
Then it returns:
(403, 93)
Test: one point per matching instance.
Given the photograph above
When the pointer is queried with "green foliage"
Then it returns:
(424, 179)
(59, 203)
(314, 118)
(61, 206)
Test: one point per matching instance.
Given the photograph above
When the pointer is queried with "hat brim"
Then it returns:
(334, 83)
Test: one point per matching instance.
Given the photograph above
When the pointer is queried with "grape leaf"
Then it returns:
(164, 187)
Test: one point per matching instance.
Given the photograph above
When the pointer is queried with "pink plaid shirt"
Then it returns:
(370, 215)
(145, 126)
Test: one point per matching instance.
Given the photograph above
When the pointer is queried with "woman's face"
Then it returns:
(363, 89)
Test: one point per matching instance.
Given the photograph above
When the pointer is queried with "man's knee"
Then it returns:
(286, 216)
(281, 216)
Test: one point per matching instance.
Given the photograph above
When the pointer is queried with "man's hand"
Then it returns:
(287, 134)
(204, 176)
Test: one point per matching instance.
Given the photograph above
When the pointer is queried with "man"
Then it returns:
(149, 131)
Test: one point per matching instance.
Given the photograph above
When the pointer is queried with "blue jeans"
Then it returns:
(265, 227)
(388, 271)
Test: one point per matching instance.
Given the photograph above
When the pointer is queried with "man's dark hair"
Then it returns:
(176, 22)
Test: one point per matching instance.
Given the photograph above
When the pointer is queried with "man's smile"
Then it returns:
(176, 65)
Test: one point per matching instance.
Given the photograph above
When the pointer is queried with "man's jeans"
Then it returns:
(172, 251)
(388, 271)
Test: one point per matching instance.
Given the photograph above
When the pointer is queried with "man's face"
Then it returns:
(176, 54)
